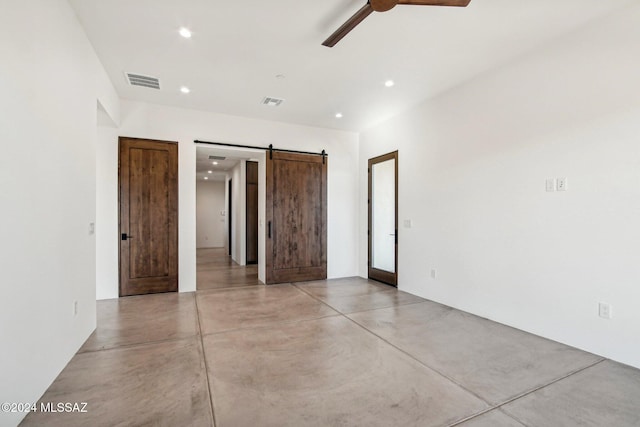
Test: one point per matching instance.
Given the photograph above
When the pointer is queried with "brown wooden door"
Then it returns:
(383, 219)
(252, 212)
(296, 217)
(148, 176)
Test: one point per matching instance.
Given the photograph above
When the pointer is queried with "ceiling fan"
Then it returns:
(383, 6)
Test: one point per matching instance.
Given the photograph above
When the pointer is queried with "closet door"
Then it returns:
(296, 217)
(148, 178)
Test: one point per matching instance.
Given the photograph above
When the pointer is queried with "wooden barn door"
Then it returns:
(296, 217)
(148, 176)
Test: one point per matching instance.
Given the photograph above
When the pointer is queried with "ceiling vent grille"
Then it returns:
(272, 102)
(144, 81)
(217, 158)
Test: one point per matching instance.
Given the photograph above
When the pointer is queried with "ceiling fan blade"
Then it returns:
(459, 3)
(351, 23)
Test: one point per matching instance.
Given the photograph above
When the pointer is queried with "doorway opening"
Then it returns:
(222, 219)
(383, 219)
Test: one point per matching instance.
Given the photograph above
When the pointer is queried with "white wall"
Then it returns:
(262, 238)
(210, 220)
(51, 82)
(182, 125)
(227, 214)
(107, 239)
(473, 164)
(239, 214)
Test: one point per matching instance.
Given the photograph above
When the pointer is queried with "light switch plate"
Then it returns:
(551, 185)
(604, 310)
(408, 223)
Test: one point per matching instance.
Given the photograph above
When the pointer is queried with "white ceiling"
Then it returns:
(204, 165)
(238, 48)
(220, 171)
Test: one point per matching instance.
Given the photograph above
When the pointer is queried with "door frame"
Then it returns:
(374, 273)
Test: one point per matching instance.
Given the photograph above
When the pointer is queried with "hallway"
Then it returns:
(216, 270)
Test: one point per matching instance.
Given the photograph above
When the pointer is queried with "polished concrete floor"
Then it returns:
(216, 270)
(344, 352)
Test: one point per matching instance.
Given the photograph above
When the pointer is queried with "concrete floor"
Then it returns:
(216, 270)
(344, 352)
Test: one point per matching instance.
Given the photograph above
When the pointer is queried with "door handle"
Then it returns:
(125, 236)
(269, 227)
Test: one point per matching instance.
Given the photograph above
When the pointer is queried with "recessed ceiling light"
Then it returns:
(215, 163)
(338, 115)
(184, 32)
(389, 83)
(185, 89)
(206, 177)
(209, 171)
(280, 76)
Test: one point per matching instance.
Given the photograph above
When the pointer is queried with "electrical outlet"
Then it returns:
(561, 184)
(434, 273)
(604, 310)
(75, 308)
(92, 228)
(408, 223)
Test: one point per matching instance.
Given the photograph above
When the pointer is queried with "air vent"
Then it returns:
(217, 158)
(272, 102)
(144, 81)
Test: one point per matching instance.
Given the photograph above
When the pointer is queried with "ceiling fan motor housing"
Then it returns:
(382, 5)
